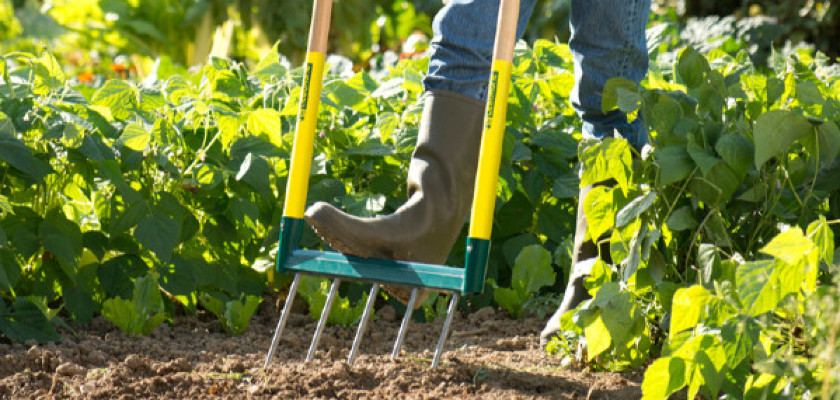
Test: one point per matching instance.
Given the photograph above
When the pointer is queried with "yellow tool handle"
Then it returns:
(307, 118)
(484, 200)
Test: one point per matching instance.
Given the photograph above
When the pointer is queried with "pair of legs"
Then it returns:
(608, 40)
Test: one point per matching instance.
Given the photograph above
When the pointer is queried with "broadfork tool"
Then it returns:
(454, 280)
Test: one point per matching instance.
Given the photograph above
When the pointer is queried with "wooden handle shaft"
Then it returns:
(506, 30)
(320, 27)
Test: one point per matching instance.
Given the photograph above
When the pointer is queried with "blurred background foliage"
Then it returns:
(186, 32)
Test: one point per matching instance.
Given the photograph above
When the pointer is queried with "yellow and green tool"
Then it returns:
(455, 280)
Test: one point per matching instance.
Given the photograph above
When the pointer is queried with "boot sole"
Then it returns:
(401, 293)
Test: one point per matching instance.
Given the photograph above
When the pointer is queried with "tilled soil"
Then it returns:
(489, 356)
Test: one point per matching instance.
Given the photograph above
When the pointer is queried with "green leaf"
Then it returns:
(552, 222)
(737, 341)
(48, 74)
(597, 335)
(386, 124)
(692, 67)
(5, 208)
(373, 148)
(365, 205)
(143, 313)
(164, 133)
(15, 152)
(10, 271)
(606, 159)
(266, 122)
(703, 158)
(556, 142)
(72, 136)
(725, 179)
(315, 290)
(622, 93)
(790, 246)
(619, 315)
(233, 313)
(118, 95)
(178, 280)
(61, 237)
(635, 208)
(116, 275)
(737, 151)
(820, 233)
(686, 308)
(26, 321)
(807, 92)
(80, 305)
(121, 312)
(663, 377)
(824, 143)
(674, 164)
(147, 298)
(207, 176)
(708, 261)
(510, 300)
(775, 131)
(532, 270)
(755, 287)
(666, 114)
(682, 219)
(229, 83)
(566, 187)
(7, 127)
(94, 149)
(158, 233)
(551, 53)
(599, 210)
(513, 246)
(269, 68)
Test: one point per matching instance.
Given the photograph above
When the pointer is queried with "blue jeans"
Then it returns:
(608, 40)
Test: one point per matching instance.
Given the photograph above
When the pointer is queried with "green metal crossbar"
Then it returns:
(457, 281)
(336, 265)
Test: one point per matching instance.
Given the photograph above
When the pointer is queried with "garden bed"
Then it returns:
(488, 356)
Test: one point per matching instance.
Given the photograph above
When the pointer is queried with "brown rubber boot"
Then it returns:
(584, 255)
(440, 189)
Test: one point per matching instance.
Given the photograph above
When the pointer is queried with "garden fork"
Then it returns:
(456, 281)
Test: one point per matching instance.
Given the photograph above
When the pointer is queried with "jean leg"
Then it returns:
(608, 40)
(462, 46)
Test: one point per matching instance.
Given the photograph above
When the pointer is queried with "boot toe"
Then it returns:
(336, 228)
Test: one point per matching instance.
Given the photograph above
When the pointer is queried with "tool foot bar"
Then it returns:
(363, 323)
(332, 264)
(287, 309)
(325, 313)
(453, 302)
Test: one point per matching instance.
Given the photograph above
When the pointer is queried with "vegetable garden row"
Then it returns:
(144, 200)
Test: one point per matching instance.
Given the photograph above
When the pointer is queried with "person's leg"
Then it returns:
(442, 170)
(462, 46)
(608, 40)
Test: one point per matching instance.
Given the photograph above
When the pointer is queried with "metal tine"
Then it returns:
(363, 323)
(409, 308)
(323, 321)
(287, 309)
(445, 332)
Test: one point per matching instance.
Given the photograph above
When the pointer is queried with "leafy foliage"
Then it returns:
(737, 168)
(531, 272)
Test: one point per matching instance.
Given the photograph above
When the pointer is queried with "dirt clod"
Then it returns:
(482, 315)
(70, 369)
(387, 313)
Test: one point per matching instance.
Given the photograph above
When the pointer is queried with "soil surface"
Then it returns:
(488, 356)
